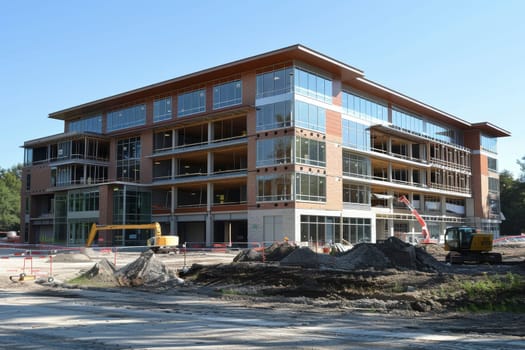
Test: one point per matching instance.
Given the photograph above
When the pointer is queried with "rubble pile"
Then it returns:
(147, 270)
(387, 254)
(276, 252)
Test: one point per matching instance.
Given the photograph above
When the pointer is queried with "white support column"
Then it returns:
(209, 219)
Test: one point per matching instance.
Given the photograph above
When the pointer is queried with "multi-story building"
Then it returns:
(289, 143)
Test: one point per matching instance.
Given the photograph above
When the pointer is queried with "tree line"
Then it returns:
(10, 184)
(512, 199)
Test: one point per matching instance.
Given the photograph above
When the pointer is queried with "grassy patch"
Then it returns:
(488, 293)
(87, 282)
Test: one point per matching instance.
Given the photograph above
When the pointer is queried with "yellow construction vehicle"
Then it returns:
(466, 244)
(157, 243)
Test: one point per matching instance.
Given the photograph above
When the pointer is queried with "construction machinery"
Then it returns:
(466, 244)
(9, 237)
(424, 229)
(157, 243)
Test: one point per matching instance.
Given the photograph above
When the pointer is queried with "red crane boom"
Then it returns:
(424, 229)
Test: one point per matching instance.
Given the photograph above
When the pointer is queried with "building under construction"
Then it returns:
(290, 143)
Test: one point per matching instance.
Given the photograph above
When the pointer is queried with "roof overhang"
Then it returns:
(491, 129)
(287, 54)
(61, 137)
(348, 75)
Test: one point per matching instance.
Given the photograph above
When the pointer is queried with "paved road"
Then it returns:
(87, 319)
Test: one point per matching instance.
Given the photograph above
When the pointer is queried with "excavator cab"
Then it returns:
(459, 238)
(466, 244)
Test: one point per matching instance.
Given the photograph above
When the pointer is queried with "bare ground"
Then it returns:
(467, 292)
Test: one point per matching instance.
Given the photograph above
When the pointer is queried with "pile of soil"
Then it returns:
(388, 254)
(146, 271)
(276, 252)
(101, 274)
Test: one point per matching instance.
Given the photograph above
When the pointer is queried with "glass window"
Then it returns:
(489, 143)
(492, 163)
(90, 124)
(354, 165)
(162, 109)
(493, 184)
(79, 202)
(308, 151)
(407, 121)
(313, 85)
(274, 151)
(356, 135)
(310, 116)
(274, 116)
(274, 83)
(328, 228)
(421, 126)
(126, 118)
(310, 187)
(191, 102)
(227, 94)
(128, 159)
(363, 108)
(358, 194)
(275, 187)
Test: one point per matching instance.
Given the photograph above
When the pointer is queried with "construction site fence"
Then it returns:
(38, 259)
(31, 258)
(24, 249)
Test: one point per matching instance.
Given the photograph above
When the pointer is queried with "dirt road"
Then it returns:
(44, 318)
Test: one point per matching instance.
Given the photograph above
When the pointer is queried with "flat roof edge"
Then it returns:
(414, 101)
(297, 47)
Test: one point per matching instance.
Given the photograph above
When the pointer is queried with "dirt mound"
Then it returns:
(390, 253)
(147, 270)
(305, 257)
(363, 256)
(276, 252)
(101, 274)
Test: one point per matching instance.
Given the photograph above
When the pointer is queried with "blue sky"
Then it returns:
(464, 57)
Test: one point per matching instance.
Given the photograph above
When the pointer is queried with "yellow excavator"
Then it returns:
(465, 244)
(157, 243)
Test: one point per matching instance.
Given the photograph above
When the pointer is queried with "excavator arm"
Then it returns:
(95, 228)
(424, 229)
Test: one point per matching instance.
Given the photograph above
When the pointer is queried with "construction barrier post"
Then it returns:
(50, 266)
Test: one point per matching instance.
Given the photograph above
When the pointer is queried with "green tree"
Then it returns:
(521, 163)
(512, 199)
(10, 185)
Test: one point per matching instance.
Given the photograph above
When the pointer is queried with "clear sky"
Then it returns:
(465, 57)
